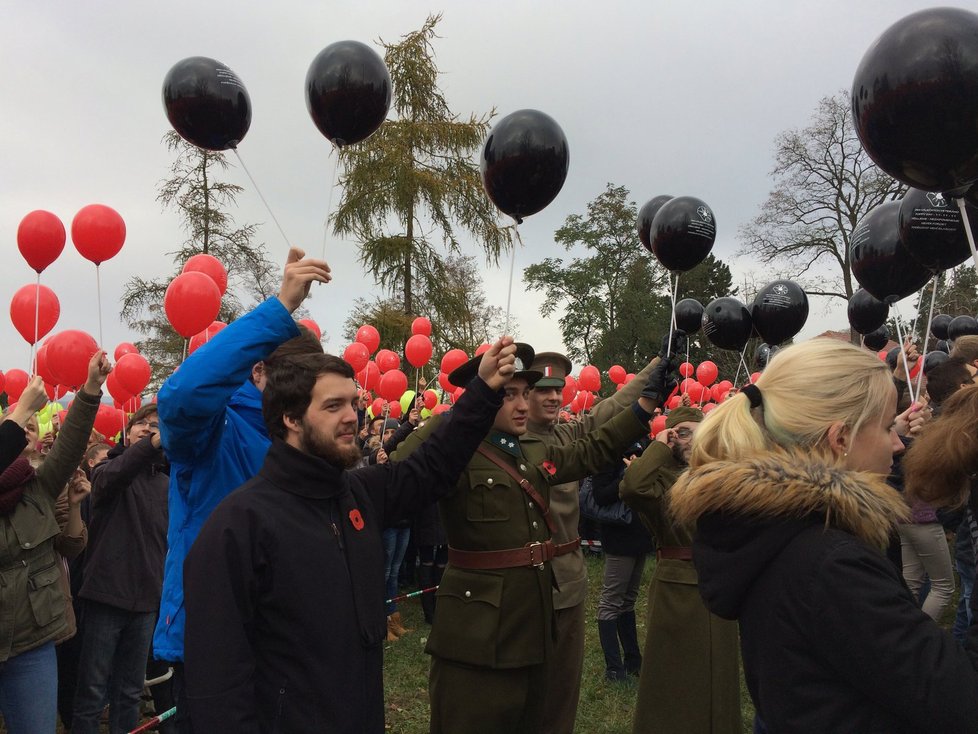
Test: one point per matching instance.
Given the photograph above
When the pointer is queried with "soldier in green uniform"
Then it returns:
(570, 592)
(492, 640)
(690, 680)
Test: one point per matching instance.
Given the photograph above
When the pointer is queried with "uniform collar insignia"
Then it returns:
(505, 442)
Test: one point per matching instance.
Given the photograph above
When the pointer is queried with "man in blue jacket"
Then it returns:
(214, 436)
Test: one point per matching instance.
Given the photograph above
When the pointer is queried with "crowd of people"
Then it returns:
(239, 548)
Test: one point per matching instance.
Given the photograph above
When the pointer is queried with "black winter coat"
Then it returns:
(832, 640)
(285, 605)
(631, 540)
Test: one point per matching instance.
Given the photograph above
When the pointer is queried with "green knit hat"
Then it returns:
(682, 414)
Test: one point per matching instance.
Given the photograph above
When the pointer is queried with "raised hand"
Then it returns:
(298, 276)
(99, 368)
(31, 400)
(498, 363)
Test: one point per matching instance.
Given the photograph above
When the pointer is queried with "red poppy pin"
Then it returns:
(356, 519)
(549, 467)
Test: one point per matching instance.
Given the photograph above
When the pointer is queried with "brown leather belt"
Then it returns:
(531, 554)
(675, 553)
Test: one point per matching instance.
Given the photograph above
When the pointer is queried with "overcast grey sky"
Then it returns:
(661, 97)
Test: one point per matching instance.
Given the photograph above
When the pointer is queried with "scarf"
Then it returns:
(13, 482)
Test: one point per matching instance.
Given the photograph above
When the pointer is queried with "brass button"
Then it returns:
(530, 505)
(489, 480)
(468, 594)
(522, 467)
(27, 545)
(535, 525)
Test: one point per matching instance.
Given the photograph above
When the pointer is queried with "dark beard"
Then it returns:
(677, 454)
(345, 457)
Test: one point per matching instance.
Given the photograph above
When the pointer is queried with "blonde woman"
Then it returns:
(787, 492)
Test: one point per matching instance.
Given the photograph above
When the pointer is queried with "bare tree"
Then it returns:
(824, 183)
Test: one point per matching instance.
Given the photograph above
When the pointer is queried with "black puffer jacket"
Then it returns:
(832, 640)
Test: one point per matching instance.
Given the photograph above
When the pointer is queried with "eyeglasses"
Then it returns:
(684, 433)
(152, 425)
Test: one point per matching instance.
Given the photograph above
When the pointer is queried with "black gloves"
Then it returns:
(659, 385)
(679, 345)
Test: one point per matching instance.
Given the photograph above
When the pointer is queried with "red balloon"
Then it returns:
(430, 399)
(369, 375)
(369, 336)
(377, 407)
(392, 385)
(421, 326)
(882, 355)
(3, 381)
(313, 327)
(357, 355)
(40, 238)
(117, 391)
(209, 266)
(202, 337)
(755, 377)
(124, 348)
(629, 377)
(30, 300)
(395, 410)
(707, 373)
(16, 381)
(686, 369)
(387, 360)
(570, 390)
(483, 348)
(192, 302)
(108, 420)
(459, 392)
(674, 402)
(589, 379)
(446, 386)
(68, 355)
(586, 399)
(132, 373)
(659, 424)
(418, 350)
(98, 232)
(453, 358)
(617, 374)
(708, 407)
(718, 393)
(440, 408)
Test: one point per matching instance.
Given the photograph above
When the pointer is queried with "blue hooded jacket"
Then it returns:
(215, 438)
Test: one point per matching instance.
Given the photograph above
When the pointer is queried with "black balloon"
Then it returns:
(879, 260)
(932, 230)
(942, 346)
(866, 312)
(779, 311)
(689, 315)
(348, 92)
(762, 355)
(962, 326)
(206, 103)
(645, 216)
(877, 339)
(682, 233)
(932, 359)
(524, 163)
(915, 99)
(727, 323)
(939, 324)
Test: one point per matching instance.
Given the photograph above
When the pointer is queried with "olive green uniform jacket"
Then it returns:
(504, 618)
(690, 676)
(32, 604)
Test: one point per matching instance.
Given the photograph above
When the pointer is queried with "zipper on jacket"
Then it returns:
(336, 530)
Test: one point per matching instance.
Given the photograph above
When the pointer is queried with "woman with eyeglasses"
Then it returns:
(787, 492)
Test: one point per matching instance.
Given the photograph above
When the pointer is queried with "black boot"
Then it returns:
(608, 634)
(426, 579)
(628, 635)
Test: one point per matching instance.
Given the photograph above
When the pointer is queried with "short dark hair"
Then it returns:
(966, 347)
(139, 415)
(947, 378)
(289, 384)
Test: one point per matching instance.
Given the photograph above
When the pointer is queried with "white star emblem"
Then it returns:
(502, 442)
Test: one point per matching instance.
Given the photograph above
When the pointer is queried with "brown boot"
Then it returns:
(391, 632)
(395, 620)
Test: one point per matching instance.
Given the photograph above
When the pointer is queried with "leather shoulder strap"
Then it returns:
(524, 485)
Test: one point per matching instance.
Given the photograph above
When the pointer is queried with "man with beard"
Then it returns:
(285, 609)
(689, 679)
(570, 592)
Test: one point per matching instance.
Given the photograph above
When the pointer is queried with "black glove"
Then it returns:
(659, 385)
(679, 344)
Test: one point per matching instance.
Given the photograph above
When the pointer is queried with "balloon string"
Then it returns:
(673, 292)
(98, 301)
(967, 231)
(742, 364)
(903, 355)
(184, 357)
(930, 318)
(37, 315)
(512, 268)
(261, 196)
(329, 200)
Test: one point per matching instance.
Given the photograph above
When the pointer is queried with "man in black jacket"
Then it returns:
(285, 609)
(123, 576)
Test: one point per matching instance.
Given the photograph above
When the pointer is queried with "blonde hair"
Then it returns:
(806, 388)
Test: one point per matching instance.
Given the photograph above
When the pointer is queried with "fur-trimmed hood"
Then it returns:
(746, 512)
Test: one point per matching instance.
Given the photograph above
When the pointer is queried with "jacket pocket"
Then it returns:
(46, 597)
(489, 495)
(466, 627)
